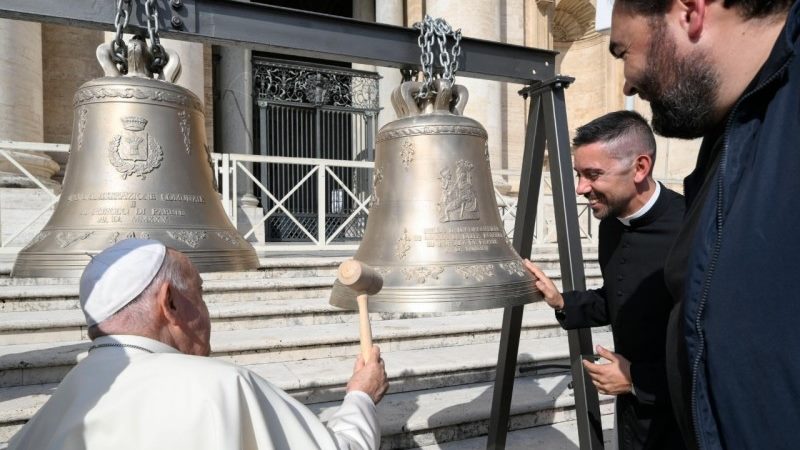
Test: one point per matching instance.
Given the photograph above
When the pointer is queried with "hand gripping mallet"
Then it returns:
(365, 281)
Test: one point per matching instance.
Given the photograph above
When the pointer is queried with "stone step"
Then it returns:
(24, 364)
(434, 416)
(323, 380)
(282, 267)
(31, 327)
(557, 436)
(49, 297)
(64, 297)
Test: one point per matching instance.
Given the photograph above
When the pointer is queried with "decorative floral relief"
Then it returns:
(38, 238)
(422, 274)
(117, 236)
(82, 118)
(430, 130)
(280, 81)
(513, 268)
(383, 271)
(190, 238)
(478, 272)
(183, 119)
(377, 179)
(67, 238)
(403, 245)
(407, 154)
(230, 238)
(100, 93)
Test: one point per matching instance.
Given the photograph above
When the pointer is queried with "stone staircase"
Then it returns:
(277, 321)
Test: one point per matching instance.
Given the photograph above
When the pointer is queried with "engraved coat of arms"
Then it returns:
(136, 151)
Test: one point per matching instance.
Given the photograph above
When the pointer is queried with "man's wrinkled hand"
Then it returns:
(370, 377)
(612, 378)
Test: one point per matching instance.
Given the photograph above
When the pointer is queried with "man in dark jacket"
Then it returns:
(614, 157)
(728, 71)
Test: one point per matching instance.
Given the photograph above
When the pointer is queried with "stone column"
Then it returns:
(68, 60)
(389, 12)
(538, 23)
(21, 107)
(192, 75)
(235, 121)
(513, 107)
(482, 20)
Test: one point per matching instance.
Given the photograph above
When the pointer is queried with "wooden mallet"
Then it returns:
(365, 281)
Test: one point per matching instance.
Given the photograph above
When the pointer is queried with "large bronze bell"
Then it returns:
(434, 232)
(138, 167)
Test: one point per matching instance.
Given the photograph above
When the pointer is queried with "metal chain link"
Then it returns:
(119, 50)
(441, 30)
(159, 56)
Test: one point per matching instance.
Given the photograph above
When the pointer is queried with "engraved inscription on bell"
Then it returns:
(463, 239)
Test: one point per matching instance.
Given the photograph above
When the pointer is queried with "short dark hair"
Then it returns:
(750, 9)
(615, 126)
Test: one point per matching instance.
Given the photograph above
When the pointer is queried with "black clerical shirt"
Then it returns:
(636, 303)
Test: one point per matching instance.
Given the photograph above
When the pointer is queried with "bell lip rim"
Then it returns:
(432, 307)
(503, 294)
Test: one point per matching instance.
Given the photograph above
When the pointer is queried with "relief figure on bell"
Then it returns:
(458, 199)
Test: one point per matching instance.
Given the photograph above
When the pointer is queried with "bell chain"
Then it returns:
(439, 30)
(120, 49)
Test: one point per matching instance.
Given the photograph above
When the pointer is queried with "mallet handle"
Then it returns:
(364, 329)
(365, 281)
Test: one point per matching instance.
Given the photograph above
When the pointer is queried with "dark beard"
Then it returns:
(682, 92)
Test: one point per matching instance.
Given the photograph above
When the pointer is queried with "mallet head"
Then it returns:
(360, 277)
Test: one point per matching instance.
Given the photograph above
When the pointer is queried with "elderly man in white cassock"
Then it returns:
(147, 382)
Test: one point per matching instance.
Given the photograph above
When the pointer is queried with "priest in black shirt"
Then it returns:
(640, 218)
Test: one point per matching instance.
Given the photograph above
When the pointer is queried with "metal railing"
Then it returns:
(330, 225)
(9, 236)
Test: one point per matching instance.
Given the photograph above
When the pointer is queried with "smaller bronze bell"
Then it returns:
(138, 167)
(434, 232)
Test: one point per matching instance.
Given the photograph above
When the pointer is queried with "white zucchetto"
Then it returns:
(118, 275)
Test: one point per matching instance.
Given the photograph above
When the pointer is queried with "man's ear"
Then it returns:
(642, 167)
(692, 16)
(166, 305)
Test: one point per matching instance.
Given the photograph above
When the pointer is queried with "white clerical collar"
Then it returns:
(643, 210)
(133, 342)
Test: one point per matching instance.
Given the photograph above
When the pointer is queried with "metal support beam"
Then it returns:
(547, 122)
(587, 405)
(295, 32)
(529, 184)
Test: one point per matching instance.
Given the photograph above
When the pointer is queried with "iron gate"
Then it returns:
(314, 111)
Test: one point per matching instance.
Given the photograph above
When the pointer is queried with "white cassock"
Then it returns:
(127, 398)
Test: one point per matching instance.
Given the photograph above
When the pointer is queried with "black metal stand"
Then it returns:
(547, 123)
